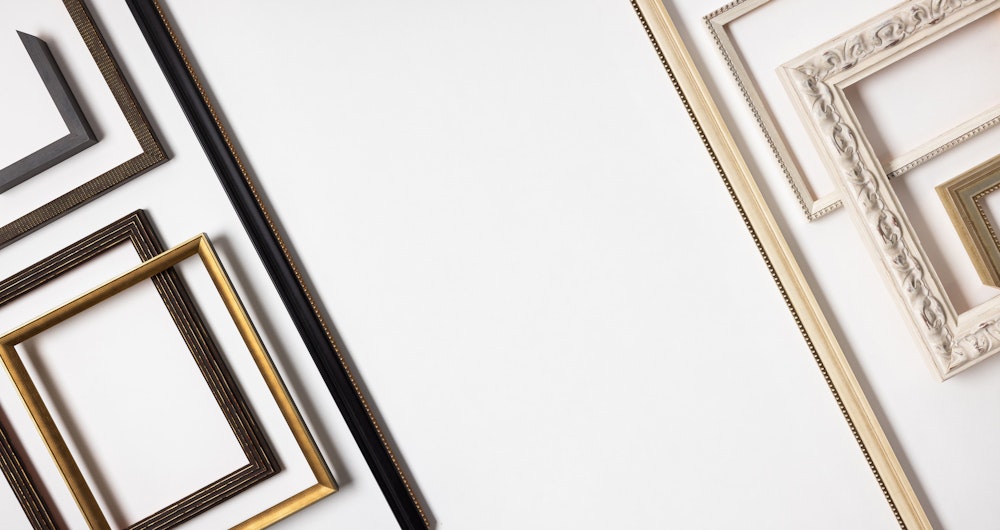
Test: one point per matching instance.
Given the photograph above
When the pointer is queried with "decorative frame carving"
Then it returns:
(815, 207)
(962, 198)
(782, 264)
(816, 81)
(137, 230)
(152, 153)
(79, 136)
(82, 493)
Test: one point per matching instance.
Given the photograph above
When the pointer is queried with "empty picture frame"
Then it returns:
(80, 135)
(81, 490)
(782, 263)
(137, 230)
(963, 197)
(816, 80)
(152, 152)
(814, 206)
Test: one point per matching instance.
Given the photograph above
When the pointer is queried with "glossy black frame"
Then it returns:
(281, 267)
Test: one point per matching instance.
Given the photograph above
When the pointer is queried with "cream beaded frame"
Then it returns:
(814, 206)
(781, 262)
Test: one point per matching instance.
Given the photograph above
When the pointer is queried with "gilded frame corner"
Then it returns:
(59, 449)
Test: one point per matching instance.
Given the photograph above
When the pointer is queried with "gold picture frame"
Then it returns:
(782, 264)
(82, 493)
(962, 198)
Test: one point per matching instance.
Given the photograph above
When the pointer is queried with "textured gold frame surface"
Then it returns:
(815, 207)
(137, 230)
(152, 153)
(57, 446)
(962, 198)
(816, 81)
(781, 262)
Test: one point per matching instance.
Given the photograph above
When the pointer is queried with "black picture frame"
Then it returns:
(277, 259)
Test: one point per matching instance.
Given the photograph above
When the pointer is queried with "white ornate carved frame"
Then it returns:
(781, 262)
(815, 207)
(816, 80)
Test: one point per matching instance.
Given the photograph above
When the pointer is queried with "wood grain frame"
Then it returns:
(201, 247)
(815, 207)
(152, 153)
(262, 227)
(816, 81)
(79, 135)
(137, 230)
(963, 197)
(781, 262)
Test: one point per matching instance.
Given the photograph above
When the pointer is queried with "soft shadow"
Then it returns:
(87, 461)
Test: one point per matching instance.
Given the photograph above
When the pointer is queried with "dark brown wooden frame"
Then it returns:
(152, 151)
(137, 229)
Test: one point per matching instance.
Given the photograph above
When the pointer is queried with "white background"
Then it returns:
(535, 267)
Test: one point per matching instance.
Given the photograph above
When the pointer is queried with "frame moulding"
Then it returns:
(781, 263)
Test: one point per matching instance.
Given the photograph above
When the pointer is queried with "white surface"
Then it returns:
(534, 264)
(536, 268)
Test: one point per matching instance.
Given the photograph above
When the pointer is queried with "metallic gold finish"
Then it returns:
(56, 444)
(781, 263)
(962, 198)
(136, 230)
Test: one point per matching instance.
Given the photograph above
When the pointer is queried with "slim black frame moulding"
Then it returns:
(280, 265)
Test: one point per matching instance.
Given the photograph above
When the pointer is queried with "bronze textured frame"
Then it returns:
(962, 198)
(137, 229)
(57, 446)
(152, 152)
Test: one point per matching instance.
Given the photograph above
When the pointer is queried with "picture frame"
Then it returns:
(962, 197)
(79, 136)
(816, 81)
(152, 152)
(813, 206)
(289, 281)
(201, 247)
(137, 231)
(782, 264)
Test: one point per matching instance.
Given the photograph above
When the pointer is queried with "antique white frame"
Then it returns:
(816, 81)
(815, 207)
(781, 262)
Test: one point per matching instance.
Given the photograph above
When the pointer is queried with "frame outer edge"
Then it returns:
(786, 272)
(405, 508)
